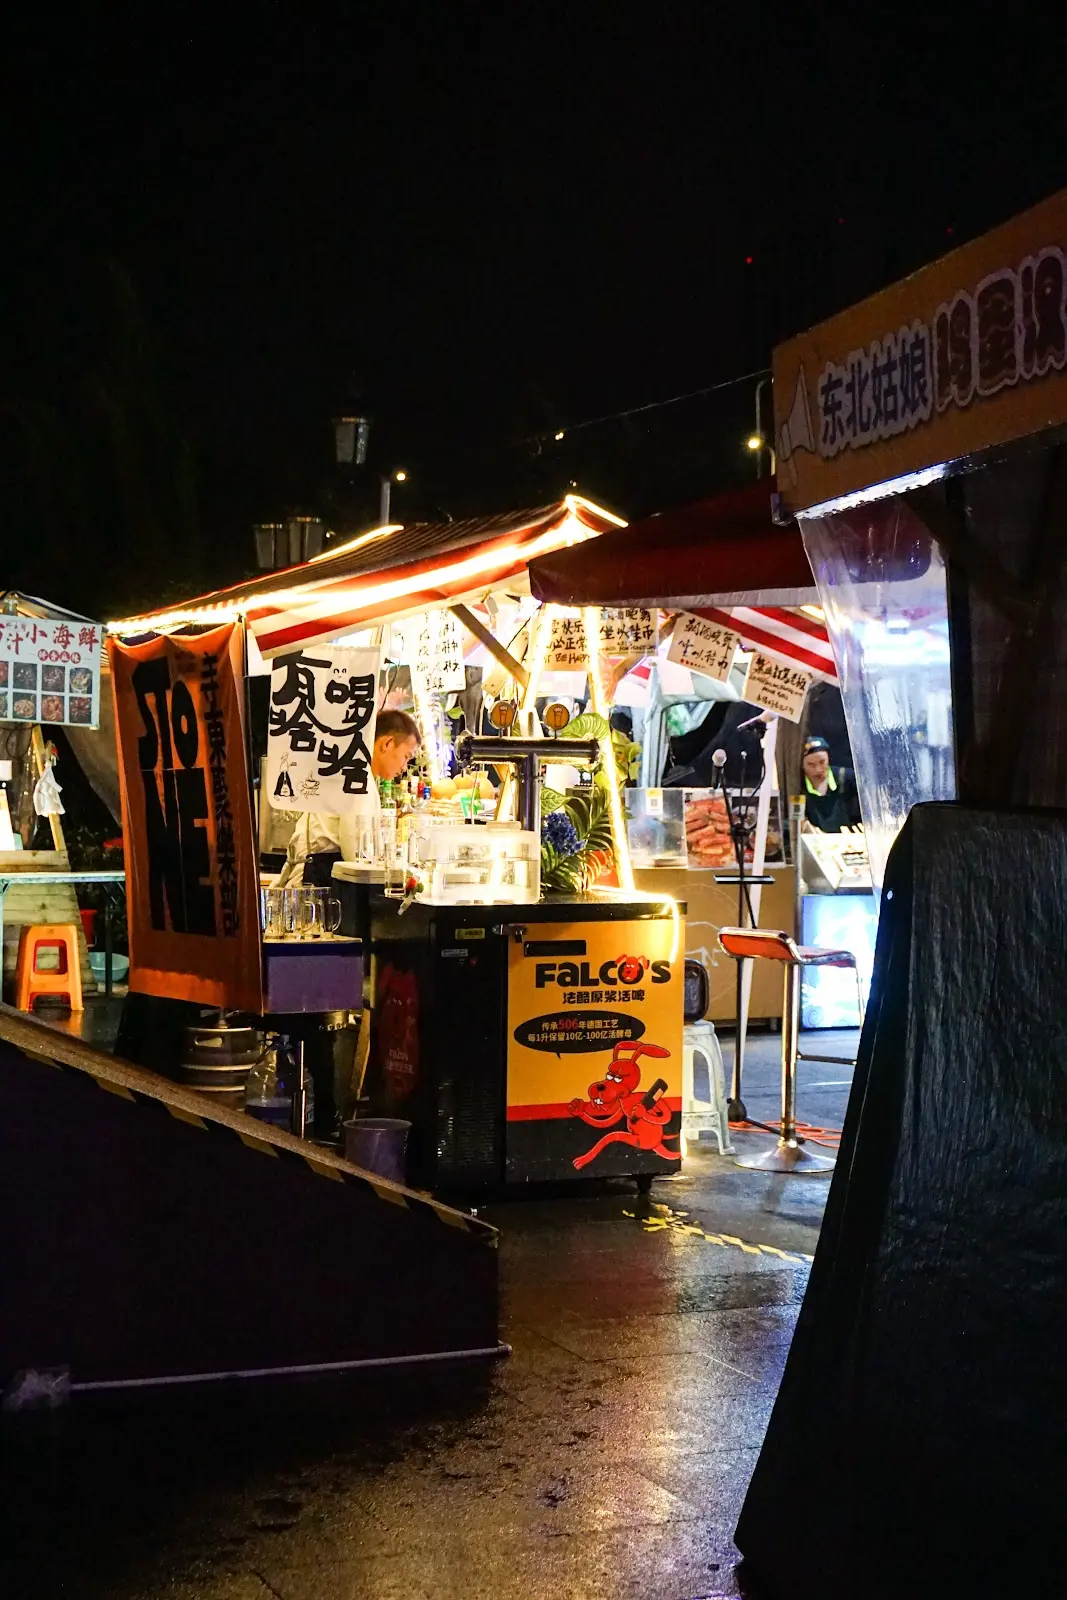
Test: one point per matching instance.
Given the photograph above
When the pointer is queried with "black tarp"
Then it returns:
(917, 1445)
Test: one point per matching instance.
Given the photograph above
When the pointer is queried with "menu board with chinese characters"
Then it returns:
(703, 646)
(776, 687)
(50, 671)
(320, 731)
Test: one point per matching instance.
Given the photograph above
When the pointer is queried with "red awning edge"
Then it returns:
(723, 551)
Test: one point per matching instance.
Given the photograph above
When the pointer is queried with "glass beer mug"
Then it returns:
(322, 913)
(272, 918)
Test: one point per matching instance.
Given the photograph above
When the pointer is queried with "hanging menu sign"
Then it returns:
(624, 631)
(320, 730)
(435, 652)
(566, 646)
(776, 687)
(703, 646)
(50, 671)
(627, 631)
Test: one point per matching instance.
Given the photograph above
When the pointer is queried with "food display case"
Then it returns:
(484, 864)
(655, 827)
(833, 863)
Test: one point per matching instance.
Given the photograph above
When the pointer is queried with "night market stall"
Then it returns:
(524, 1029)
(745, 621)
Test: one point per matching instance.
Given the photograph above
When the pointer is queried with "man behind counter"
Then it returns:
(396, 738)
(831, 803)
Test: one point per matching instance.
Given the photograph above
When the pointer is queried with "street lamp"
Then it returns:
(398, 475)
(350, 440)
(757, 441)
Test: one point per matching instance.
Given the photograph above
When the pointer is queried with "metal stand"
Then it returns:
(108, 946)
(790, 1154)
(300, 1095)
(735, 1106)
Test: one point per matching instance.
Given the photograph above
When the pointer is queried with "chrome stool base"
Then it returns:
(790, 1158)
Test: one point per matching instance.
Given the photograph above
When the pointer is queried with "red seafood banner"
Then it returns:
(191, 865)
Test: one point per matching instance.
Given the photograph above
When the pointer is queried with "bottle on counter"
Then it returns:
(404, 812)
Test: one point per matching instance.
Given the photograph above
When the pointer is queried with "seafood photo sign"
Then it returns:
(50, 671)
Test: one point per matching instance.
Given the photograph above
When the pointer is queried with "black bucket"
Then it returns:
(378, 1145)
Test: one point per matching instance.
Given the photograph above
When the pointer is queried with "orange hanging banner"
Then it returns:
(191, 866)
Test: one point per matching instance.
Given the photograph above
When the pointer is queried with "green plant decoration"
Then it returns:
(627, 756)
(574, 857)
(588, 726)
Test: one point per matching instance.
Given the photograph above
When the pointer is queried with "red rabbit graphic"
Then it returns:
(609, 1099)
(615, 1098)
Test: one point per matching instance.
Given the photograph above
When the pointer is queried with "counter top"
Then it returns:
(358, 872)
(596, 905)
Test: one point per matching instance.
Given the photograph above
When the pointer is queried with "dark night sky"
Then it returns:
(492, 220)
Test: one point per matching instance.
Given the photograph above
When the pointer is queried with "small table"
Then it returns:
(65, 876)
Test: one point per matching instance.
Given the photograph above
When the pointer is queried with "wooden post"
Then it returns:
(499, 652)
(759, 856)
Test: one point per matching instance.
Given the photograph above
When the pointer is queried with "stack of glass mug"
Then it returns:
(301, 913)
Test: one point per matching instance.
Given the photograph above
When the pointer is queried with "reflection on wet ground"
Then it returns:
(607, 1457)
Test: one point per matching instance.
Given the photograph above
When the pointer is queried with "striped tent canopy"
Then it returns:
(787, 634)
(390, 573)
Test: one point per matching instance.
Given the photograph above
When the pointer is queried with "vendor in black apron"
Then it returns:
(830, 800)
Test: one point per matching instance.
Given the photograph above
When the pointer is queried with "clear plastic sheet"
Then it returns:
(881, 582)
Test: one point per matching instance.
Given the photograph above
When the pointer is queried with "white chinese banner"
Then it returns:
(320, 731)
(776, 687)
(566, 646)
(703, 646)
(436, 652)
(50, 671)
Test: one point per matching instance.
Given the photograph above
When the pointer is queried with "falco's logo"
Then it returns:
(624, 970)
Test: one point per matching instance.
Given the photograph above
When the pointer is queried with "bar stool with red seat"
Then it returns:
(61, 982)
(767, 944)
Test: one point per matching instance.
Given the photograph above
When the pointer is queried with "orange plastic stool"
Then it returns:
(64, 981)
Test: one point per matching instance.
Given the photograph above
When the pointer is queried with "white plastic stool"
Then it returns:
(700, 1055)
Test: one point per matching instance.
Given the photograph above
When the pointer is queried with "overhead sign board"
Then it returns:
(624, 631)
(967, 354)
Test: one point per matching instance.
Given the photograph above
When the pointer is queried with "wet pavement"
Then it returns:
(607, 1457)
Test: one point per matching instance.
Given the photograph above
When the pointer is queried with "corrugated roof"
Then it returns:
(383, 550)
(412, 541)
